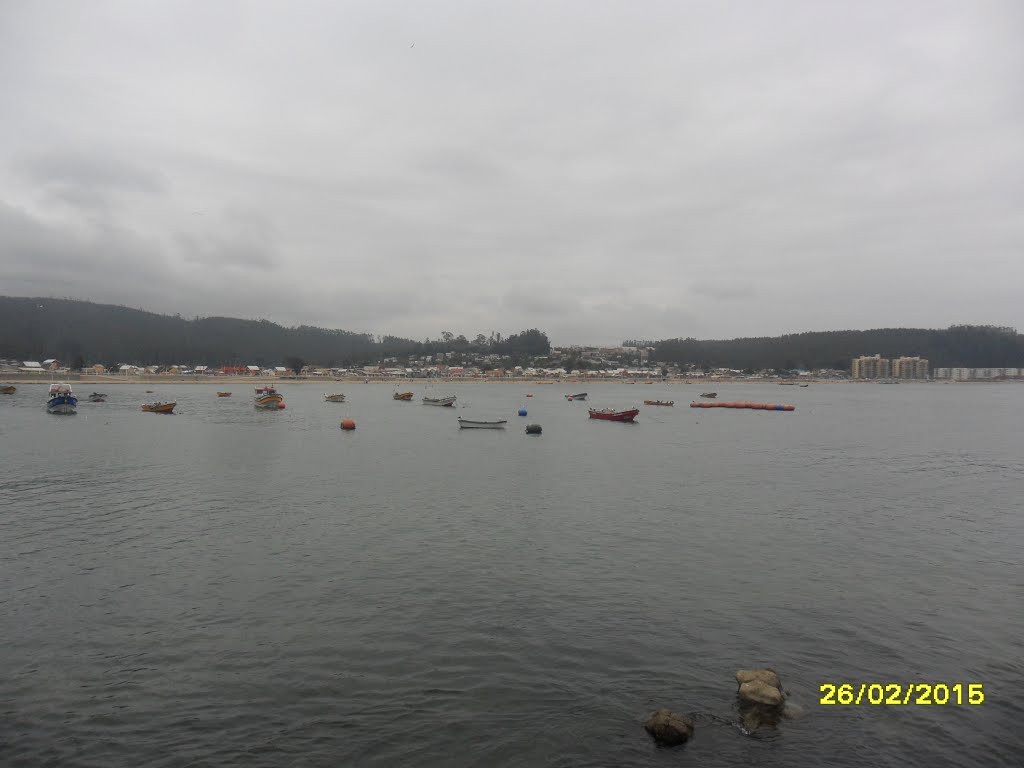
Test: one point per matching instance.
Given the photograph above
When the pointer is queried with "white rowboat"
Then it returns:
(442, 401)
(471, 424)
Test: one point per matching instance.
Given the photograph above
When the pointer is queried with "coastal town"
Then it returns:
(574, 363)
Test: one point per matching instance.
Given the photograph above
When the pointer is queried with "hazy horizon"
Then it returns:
(597, 170)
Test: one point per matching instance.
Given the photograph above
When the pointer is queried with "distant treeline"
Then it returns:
(80, 331)
(968, 346)
(637, 343)
(77, 332)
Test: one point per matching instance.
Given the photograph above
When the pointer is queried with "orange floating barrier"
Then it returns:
(750, 406)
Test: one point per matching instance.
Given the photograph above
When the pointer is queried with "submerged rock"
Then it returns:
(760, 692)
(769, 676)
(761, 700)
(669, 728)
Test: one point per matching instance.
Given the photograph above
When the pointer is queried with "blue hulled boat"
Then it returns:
(61, 399)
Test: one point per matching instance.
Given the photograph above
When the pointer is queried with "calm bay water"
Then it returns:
(227, 587)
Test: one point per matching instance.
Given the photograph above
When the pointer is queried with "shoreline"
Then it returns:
(113, 379)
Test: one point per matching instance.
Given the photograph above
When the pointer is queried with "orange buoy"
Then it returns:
(348, 424)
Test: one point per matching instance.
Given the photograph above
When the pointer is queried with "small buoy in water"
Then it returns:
(348, 424)
(522, 411)
(280, 406)
(533, 429)
(529, 394)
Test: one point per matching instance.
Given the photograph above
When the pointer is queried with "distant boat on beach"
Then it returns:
(580, 396)
(8, 389)
(97, 397)
(659, 402)
(61, 400)
(709, 394)
(335, 398)
(223, 394)
(402, 396)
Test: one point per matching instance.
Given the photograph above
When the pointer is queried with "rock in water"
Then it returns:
(761, 700)
(769, 676)
(759, 692)
(669, 728)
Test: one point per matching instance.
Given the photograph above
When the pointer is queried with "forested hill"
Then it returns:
(71, 331)
(31, 329)
(969, 346)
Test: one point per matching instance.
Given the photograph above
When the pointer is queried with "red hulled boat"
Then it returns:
(610, 414)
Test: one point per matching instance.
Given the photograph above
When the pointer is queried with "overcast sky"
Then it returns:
(599, 170)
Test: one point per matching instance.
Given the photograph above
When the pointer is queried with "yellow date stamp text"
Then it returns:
(901, 694)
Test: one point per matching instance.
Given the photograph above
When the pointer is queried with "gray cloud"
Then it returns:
(598, 170)
(239, 238)
(90, 261)
(723, 289)
(88, 170)
(86, 180)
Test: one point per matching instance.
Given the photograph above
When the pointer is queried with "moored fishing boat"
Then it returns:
(709, 394)
(159, 407)
(97, 397)
(659, 402)
(223, 394)
(580, 396)
(610, 414)
(335, 398)
(402, 396)
(447, 402)
(61, 400)
(475, 424)
(268, 399)
(8, 389)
